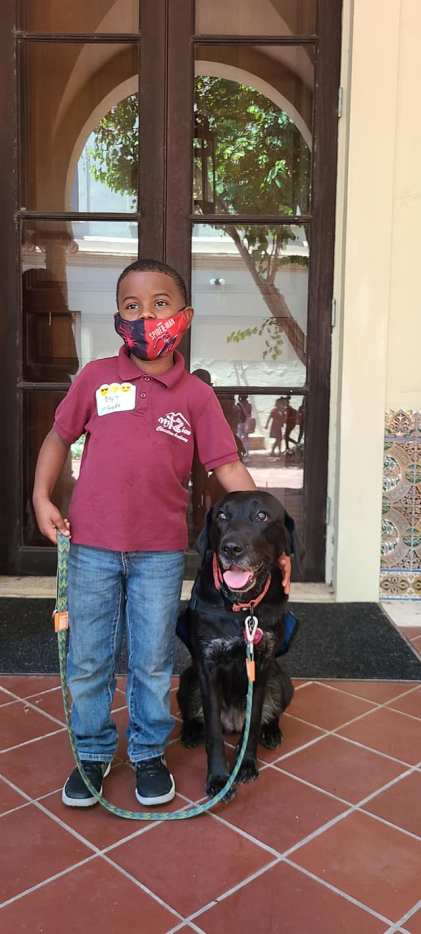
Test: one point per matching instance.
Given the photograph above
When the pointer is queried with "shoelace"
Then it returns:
(150, 765)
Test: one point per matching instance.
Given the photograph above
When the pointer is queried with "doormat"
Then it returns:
(334, 640)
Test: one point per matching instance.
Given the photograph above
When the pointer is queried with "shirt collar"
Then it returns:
(127, 370)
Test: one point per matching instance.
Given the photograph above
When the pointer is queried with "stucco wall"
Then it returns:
(376, 356)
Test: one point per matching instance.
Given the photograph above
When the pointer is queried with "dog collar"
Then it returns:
(218, 581)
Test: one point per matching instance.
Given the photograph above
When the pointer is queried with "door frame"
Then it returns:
(166, 89)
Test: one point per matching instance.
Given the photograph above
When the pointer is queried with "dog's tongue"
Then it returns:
(236, 578)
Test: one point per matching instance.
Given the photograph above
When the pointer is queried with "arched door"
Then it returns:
(204, 134)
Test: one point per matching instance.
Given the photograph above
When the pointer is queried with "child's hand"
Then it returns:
(284, 562)
(50, 520)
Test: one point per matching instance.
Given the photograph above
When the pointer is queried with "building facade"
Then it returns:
(269, 152)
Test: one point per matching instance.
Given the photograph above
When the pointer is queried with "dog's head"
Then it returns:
(247, 532)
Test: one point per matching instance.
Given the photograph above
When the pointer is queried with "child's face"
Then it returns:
(149, 295)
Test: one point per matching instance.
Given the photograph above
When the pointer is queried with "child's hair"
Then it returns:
(152, 265)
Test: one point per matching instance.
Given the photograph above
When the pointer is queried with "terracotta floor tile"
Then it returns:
(400, 804)
(94, 897)
(278, 810)
(342, 768)
(411, 703)
(377, 691)
(285, 900)
(412, 632)
(99, 826)
(376, 864)
(9, 798)
(326, 708)
(33, 848)
(295, 734)
(50, 702)
(189, 769)
(390, 732)
(204, 860)
(39, 767)
(25, 685)
(414, 923)
(5, 698)
(20, 723)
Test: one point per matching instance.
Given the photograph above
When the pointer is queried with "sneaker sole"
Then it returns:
(158, 799)
(83, 802)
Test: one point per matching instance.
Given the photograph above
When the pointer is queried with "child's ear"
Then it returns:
(190, 312)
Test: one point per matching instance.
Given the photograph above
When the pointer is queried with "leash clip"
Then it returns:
(250, 624)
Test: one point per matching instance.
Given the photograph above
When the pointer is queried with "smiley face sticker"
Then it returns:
(115, 397)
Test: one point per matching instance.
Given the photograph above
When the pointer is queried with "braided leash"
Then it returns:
(60, 617)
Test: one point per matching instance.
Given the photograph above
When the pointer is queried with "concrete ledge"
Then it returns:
(33, 587)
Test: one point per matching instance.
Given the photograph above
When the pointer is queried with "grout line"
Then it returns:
(333, 888)
(408, 915)
(35, 739)
(140, 885)
(41, 885)
(247, 879)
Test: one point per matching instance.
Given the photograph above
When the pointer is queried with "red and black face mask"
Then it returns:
(150, 338)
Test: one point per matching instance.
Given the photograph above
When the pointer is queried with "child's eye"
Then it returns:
(132, 306)
(161, 303)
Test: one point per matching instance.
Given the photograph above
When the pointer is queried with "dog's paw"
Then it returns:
(248, 771)
(215, 784)
(193, 733)
(270, 735)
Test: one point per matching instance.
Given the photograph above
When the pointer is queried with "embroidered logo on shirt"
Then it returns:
(176, 425)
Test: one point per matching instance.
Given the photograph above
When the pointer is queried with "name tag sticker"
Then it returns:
(115, 397)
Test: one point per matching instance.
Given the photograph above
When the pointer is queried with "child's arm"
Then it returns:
(50, 463)
(234, 477)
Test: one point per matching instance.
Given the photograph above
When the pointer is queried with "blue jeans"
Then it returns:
(107, 588)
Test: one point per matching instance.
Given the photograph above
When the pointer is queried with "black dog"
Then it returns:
(244, 536)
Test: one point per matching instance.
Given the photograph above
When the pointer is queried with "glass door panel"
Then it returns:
(102, 16)
(250, 295)
(69, 274)
(270, 434)
(80, 126)
(253, 111)
(248, 18)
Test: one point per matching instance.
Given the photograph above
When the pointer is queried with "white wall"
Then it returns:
(376, 353)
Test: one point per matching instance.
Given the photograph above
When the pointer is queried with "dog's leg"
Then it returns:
(190, 704)
(248, 770)
(217, 765)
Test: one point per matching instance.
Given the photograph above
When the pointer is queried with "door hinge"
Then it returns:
(333, 313)
(340, 101)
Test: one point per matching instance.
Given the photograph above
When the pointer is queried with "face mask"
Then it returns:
(150, 338)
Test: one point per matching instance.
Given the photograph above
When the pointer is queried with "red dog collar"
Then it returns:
(218, 581)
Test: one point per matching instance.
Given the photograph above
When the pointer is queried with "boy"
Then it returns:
(143, 415)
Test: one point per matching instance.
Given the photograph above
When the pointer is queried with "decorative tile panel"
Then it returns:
(400, 576)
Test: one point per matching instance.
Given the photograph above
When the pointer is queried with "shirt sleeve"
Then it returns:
(214, 439)
(74, 411)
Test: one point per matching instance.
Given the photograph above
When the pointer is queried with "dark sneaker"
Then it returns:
(154, 783)
(75, 793)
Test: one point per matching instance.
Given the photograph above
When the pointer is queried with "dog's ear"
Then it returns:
(202, 543)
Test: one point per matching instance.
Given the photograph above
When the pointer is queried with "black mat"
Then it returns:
(342, 640)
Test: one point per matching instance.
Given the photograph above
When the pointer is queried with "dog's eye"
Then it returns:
(221, 515)
(262, 516)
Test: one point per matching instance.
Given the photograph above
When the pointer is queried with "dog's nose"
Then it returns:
(232, 550)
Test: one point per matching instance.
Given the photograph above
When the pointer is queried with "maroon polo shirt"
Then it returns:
(131, 494)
